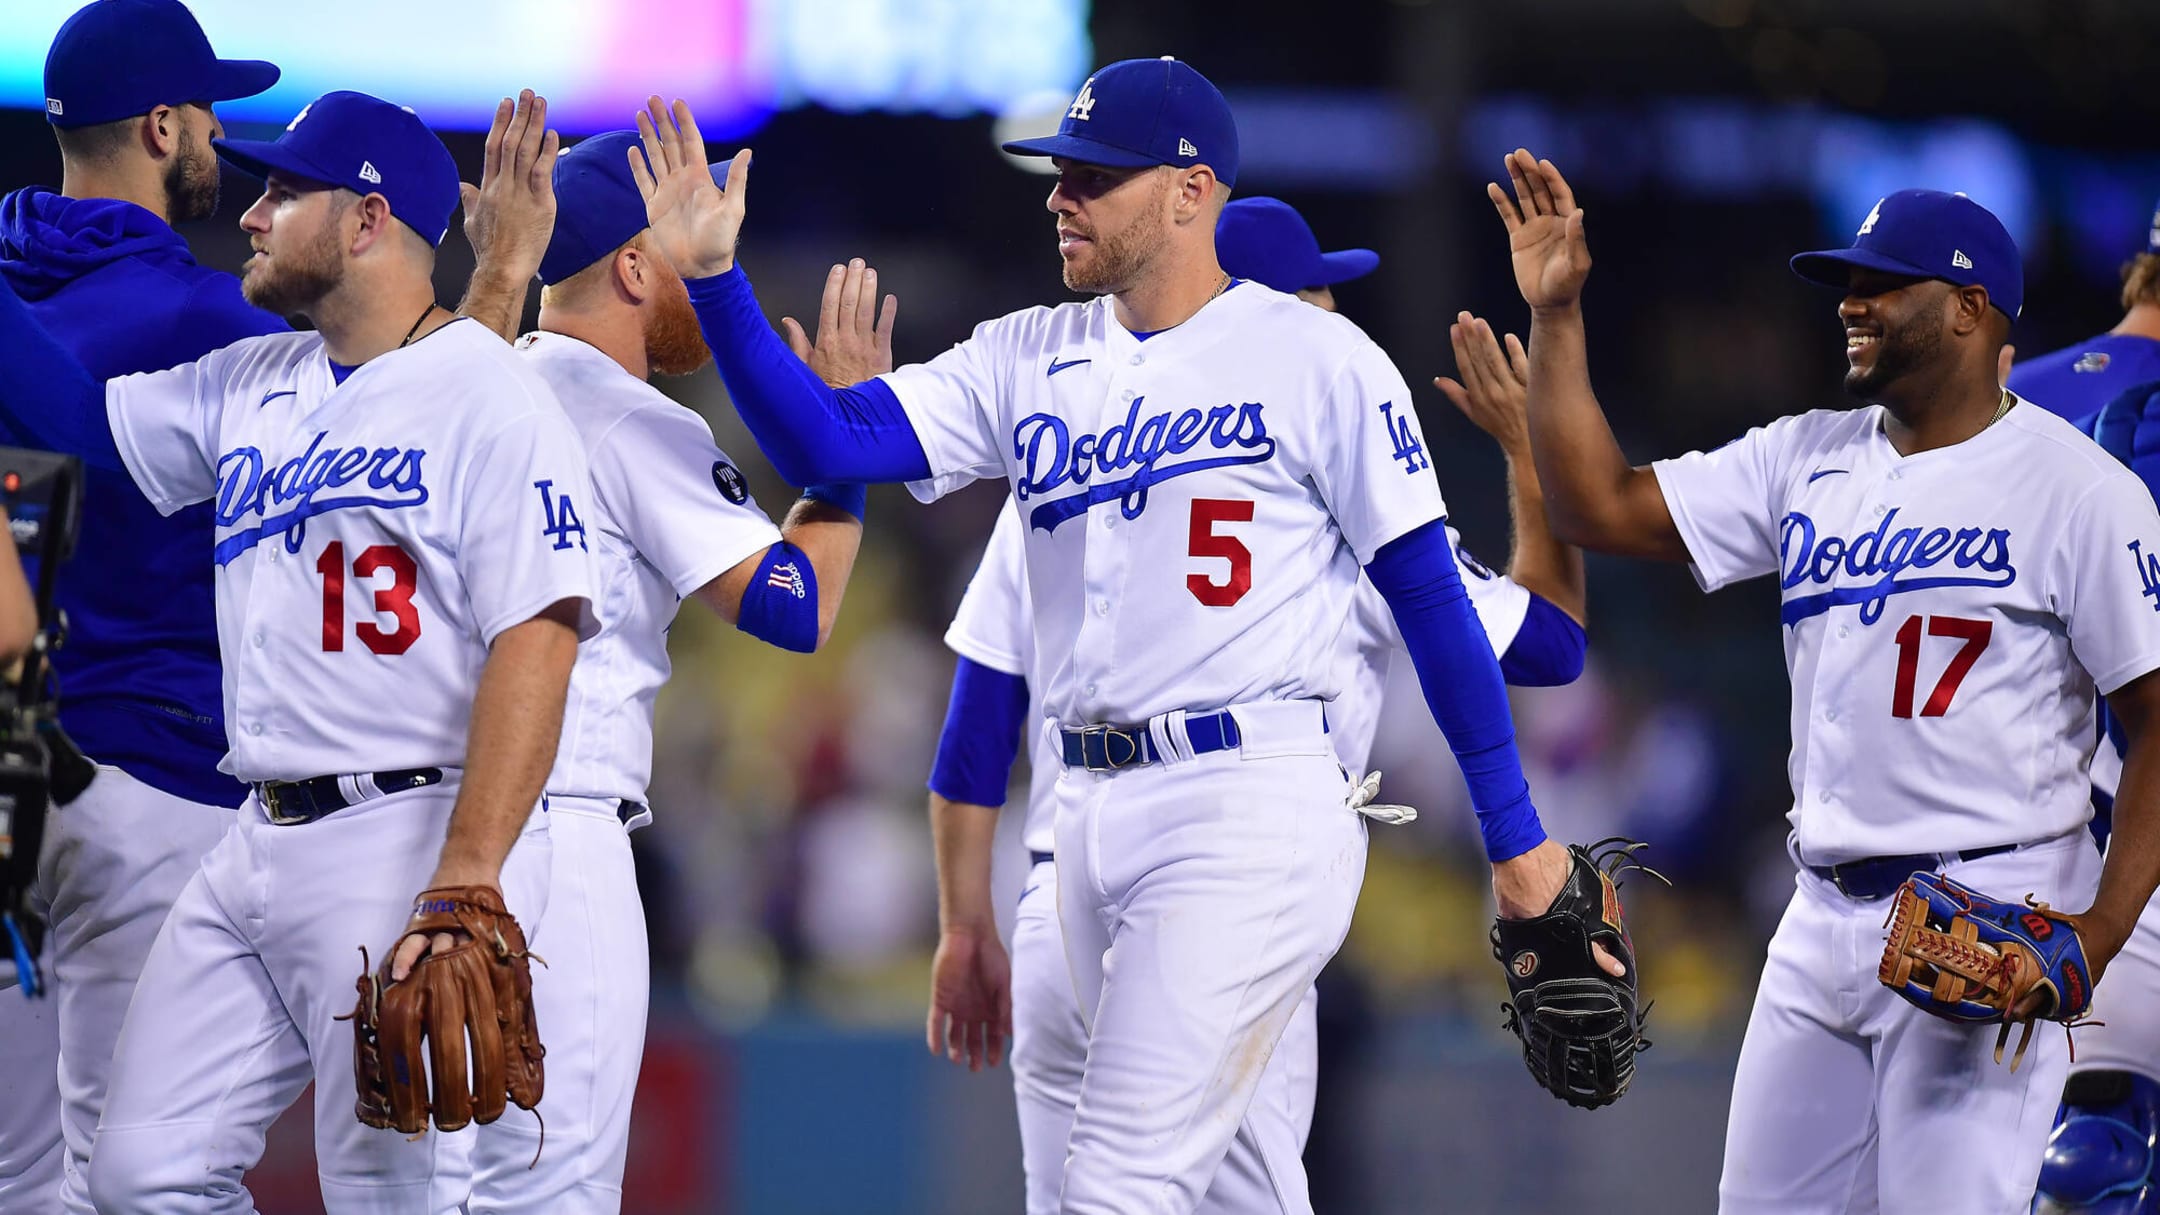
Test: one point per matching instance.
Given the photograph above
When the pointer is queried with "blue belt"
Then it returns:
(1105, 748)
(288, 802)
(1876, 877)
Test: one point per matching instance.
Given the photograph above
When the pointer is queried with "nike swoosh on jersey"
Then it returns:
(1056, 366)
(1820, 473)
(274, 394)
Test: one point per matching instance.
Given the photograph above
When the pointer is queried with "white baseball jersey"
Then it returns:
(373, 537)
(994, 627)
(670, 512)
(1197, 504)
(1948, 616)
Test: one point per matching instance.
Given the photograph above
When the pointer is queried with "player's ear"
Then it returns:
(369, 218)
(1196, 189)
(633, 272)
(161, 131)
(1971, 309)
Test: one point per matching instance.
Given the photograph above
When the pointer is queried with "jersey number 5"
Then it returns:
(1975, 635)
(1203, 542)
(395, 600)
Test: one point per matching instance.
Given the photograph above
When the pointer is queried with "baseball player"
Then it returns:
(1204, 465)
(1945, 640)
(130, 86)
(670, 519)
(998, 667)
(2077, 380)
(402, 576)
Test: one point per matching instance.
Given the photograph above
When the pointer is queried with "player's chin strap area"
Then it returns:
(1361, 800)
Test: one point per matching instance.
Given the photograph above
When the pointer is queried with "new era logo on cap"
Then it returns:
(1958, 259)
(1185, 148)
(369, 173)
(52, 106)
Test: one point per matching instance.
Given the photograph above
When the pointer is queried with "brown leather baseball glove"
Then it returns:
(477, 991)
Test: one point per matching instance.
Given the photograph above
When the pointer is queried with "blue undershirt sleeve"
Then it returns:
(984, 722)
(47, 401)
(1416, 574)
(1547, 650)
(810, 431)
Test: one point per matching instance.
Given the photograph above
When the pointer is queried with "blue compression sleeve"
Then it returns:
(780, 605)
(810, 431)
(47, 401)
(1416, 574)
(983, 725)
(852, 498)
(1547, 650)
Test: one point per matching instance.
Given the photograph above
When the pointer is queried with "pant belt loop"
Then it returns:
(1167, 732)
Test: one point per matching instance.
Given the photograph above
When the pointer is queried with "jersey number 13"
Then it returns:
(394, 600)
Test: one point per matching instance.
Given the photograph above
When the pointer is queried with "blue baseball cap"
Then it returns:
(1140, 112)
(366, 145)
(118, 59)
(597, 204)
(1267, 241)
(1929, 234)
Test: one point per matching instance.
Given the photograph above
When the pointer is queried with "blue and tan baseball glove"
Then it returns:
(1955, 952)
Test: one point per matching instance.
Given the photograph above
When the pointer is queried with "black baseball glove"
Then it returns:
(1580, 1027)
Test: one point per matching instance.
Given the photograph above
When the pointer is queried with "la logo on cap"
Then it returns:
(1868, 225)
(297, 118)
(1084, 102)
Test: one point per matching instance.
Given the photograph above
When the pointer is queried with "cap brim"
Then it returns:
(1347, 264)
(1831, 267)
(262, 157)
(1082, 149)
(232, 79)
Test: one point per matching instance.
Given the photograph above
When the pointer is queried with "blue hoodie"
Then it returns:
(140, 686)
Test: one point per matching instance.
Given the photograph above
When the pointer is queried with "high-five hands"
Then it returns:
(510, 215)
(1494, 391)
(694, 223)
(853, 343)
(1545, 232)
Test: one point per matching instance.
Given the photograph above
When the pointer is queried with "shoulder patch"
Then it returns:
(730, 483)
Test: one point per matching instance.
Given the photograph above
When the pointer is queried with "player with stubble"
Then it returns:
(1959, 575)
(1204, 470)
(402, 584)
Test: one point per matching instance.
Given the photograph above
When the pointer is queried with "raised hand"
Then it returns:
(693, 222)
(1494, 391)
(1545, 232)
(510, 215)
(852, 343)
(970, 1000)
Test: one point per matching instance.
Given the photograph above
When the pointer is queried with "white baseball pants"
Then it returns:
(1199, 899)
(1850, 1100)
(236, 1012)
(1049, 1054)
(590, 1001)
(114, 860)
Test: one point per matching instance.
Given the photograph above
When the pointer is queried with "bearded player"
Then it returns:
(1205, 471)
(402, 580)
(1945, 641)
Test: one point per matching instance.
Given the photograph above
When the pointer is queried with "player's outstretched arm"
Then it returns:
(2132, 869)
(810, 431)
(1596, 498)
(510, 215)
(516, 726)
(1494, 393)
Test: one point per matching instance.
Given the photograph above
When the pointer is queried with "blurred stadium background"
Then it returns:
(788, 877)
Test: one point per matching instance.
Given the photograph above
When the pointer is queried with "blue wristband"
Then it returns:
(852, 498)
